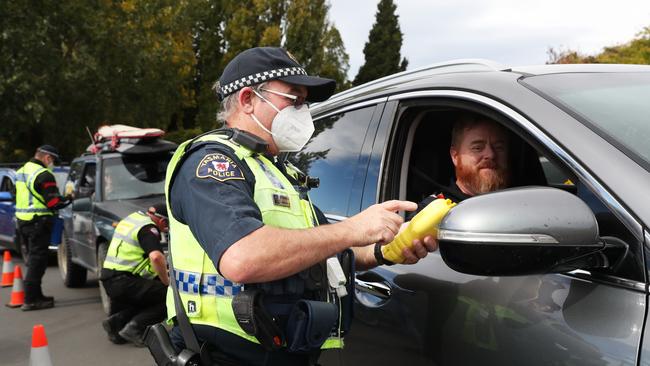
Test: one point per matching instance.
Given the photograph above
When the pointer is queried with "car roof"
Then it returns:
(430, 76)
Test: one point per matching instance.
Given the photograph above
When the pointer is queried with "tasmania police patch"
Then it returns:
(219, 167)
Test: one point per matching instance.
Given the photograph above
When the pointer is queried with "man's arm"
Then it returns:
(149, 239)
(45, 185)
(271, 253)
(159, 264)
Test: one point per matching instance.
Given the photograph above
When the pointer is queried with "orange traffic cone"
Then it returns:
(39, 355)
(7, 270)
(18, 291)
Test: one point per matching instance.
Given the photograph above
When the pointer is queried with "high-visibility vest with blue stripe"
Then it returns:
(30, 203)
(205, 294)
(124, 252)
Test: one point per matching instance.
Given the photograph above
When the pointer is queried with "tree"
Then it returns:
(68, 65)
(636, 51)
(382, 51)
(315, 42)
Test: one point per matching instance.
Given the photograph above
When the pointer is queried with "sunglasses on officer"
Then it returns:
(294, 100)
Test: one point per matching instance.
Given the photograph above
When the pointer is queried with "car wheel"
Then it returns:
(73, 275)
(102, 249)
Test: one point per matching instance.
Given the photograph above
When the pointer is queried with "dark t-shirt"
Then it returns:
(212, 193)
(149, 240)
(452, 192)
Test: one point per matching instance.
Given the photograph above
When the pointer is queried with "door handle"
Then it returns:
(378, 289)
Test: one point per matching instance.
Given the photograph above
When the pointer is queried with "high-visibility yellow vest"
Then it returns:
(205, 294)
(30, 203)
(124, 252)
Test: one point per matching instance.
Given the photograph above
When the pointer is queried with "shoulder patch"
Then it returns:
(218, 167)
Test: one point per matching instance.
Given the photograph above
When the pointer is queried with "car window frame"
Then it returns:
(541, 140)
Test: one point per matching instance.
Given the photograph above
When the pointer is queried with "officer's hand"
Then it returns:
(420, 249)
(378, 223)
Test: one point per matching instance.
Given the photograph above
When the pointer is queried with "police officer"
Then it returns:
(248, 256)
(37, 201)
(134, 275)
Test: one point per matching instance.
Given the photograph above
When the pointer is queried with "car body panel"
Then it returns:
(433, 315)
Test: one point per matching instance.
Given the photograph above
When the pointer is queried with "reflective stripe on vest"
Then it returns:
(29, 203)
(215, 285)
(206, 295)
(124, 252)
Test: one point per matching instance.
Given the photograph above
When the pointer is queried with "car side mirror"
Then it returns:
(82, 204)
(6, 196)
(521, 231)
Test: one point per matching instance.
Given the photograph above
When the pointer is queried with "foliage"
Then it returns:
(68, 65)
(636, 51)
(382, 51)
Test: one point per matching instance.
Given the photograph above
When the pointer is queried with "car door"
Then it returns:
(428, 314)
(82, 223)
(7, 208)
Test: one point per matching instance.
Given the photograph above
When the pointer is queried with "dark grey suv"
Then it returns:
(552, 272)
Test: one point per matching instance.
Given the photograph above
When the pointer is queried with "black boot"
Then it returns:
(43, 303)
(133, 333)
(113, 324)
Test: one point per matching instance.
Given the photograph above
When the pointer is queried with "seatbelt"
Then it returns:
(191, 343)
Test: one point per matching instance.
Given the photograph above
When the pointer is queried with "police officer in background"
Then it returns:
(37, 201)
(134, 275)
(249, 258)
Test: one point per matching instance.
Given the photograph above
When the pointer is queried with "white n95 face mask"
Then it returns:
(291, 128)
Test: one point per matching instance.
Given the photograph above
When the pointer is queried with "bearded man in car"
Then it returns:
(479, 152)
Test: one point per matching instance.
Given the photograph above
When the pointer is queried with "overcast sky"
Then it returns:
(512, 32)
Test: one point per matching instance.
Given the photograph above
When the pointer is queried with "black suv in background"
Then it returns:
(517, 281)
(108, 186)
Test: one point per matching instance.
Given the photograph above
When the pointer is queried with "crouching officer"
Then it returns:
(134, 275)
(37, 201)
(259, 280)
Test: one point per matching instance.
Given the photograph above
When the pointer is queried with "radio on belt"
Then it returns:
(336, 277)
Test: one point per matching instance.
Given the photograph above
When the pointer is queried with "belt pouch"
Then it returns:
(310, 324)
(254, 319)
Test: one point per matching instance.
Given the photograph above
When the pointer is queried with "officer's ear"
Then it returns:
(245, 97)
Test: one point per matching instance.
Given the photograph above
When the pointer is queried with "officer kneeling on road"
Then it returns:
(260, 281)
(37, 201)
(134, 275)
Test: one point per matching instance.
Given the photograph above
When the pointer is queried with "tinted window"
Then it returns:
(134, 176)
(7, 185)
(616, 105)
(332, 155)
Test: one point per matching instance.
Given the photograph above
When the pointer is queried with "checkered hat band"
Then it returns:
(260, 77)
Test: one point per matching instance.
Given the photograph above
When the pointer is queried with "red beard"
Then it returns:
(484, 178)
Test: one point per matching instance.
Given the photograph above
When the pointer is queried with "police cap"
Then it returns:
(260, 64)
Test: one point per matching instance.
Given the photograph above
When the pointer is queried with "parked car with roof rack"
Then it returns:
(121, 172)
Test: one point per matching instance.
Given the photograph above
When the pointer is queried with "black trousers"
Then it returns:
(36, 235)
(138, 299)
(230, 349)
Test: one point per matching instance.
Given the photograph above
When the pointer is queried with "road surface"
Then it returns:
(73, 328)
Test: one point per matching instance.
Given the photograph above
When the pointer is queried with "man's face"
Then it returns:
(265, 113)
(48, 160)
(481, 159)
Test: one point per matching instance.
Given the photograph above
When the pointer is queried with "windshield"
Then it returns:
(616, 105)
(134, 176)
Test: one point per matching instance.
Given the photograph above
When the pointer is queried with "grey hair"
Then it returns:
(229, 103)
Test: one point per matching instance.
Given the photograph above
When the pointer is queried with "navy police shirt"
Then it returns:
(212, 193)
